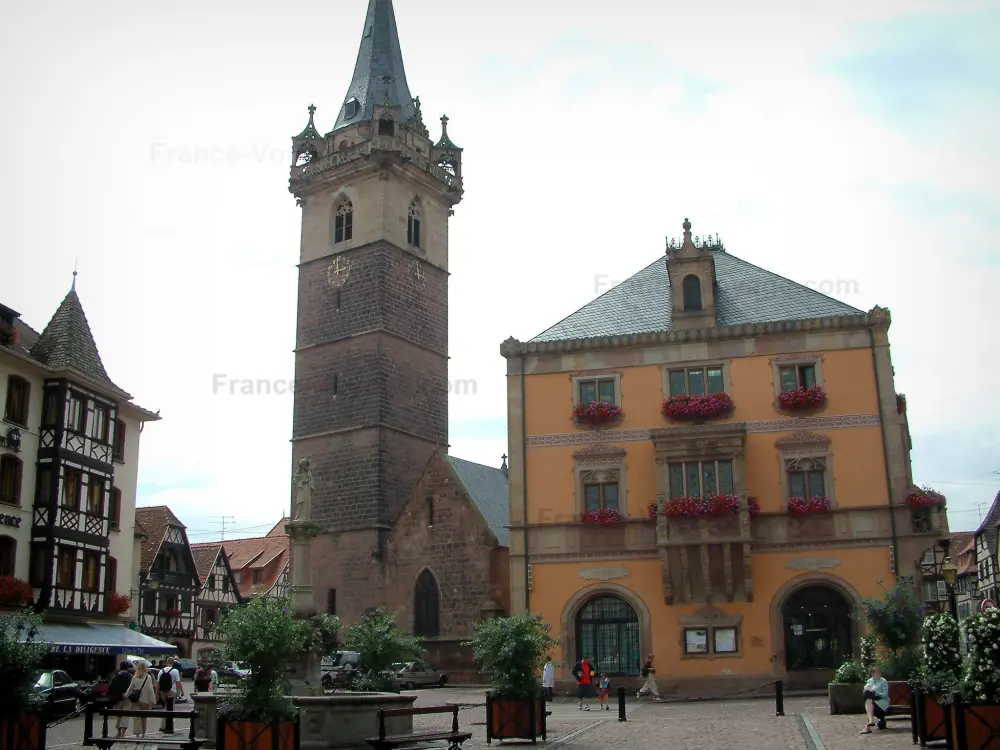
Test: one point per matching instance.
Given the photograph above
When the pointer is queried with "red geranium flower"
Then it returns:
(14, 592)
(597, 413)
(119, 604)
(924, 497)
(607, 515)
(802, 398)
(798, 506)
(683, 408)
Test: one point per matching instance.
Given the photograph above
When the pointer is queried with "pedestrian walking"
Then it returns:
(603, 690)
(649, 672)
(549, 679)
(584, 674)
(118, 696)
(170, 688)
(141, 697)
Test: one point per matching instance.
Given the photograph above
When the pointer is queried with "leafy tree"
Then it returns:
(21, 653)
(512, 651)
(380, 644)
(896, 620)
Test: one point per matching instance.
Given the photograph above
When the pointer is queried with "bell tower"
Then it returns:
(371, 357)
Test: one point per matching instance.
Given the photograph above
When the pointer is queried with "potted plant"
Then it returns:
(512, 650)
(940, 675)
(846, 691)
(896, 620)
(259, 715)
(380, 644)
(119, 604)
(22, 715)
(975, 712)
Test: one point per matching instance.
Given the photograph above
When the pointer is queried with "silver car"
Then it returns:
(416, 674)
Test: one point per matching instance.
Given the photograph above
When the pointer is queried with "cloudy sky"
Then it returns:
(851, 146)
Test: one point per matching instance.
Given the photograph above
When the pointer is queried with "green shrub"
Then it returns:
(851, 673)
(380, 644)
(941, 671)
(896, 618)
(982, 681)
(21, 653)
(512, 651)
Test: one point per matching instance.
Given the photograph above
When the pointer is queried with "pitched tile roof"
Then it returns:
(254, 553)
(204, 559)
(746, 294)
(488, 488)
(154, 520)
(68, 344)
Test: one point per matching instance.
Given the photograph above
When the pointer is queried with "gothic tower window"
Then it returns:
(692, 292)
(426, 606)
(413, 225)
(343, 222)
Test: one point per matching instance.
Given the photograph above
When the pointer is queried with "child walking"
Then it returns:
(603, 689)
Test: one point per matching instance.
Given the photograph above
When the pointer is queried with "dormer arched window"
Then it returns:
(350, 108)
(386, 126)
(343, 221)
(692, 292)
(413, 224)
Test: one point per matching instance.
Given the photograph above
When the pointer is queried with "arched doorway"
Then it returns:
(817, 626)
(607, 632)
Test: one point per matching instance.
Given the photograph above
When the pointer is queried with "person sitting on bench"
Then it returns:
(876, 701)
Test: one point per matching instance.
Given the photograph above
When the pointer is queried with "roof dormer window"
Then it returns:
(350, 108)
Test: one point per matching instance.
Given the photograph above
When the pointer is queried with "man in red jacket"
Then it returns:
(584, 674)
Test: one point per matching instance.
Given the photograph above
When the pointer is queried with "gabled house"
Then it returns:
(219, 592)
(259, 564)
(986, 555)
(168, 582)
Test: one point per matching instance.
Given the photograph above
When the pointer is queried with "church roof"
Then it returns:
(68, 344)
(379, 69)
(487, 487)
(745, 294)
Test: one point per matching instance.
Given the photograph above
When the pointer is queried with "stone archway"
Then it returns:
(814, 624)
(575, 605)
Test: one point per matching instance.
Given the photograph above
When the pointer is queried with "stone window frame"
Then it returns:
(711, 619)
(342, 200)
(794, 360)
(714, 442)
(581, 377)
(600, 458)
(703, 364)
(805, 445)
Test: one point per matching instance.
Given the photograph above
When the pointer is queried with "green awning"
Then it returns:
(99, 638)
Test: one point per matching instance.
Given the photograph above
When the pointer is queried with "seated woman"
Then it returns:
(876, 701)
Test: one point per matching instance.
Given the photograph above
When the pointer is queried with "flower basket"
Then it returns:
(900, 403)
(800, 506)
(14, 592)
(8, 334)
(696, 408)
(597, 414)
(802, 398)
(924, 497)
(119, 604)
(607, 515)
(171, 612)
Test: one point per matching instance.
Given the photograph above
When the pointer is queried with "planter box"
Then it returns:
(973, 726)
(23, 733)
(257, 735)
(930, 718)
(515, 718)
(846, 698)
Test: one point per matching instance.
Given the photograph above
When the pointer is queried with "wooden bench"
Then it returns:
(899, 701)
(105, 741)
(453, 737)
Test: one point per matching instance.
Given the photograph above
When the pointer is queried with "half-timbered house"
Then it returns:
(259, 564)
(168, 579)
(988, 578)
(219, 592)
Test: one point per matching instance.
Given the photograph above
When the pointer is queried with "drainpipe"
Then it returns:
(885, 456)
(524, 480)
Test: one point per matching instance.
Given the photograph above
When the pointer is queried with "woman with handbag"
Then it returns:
(140, 695)
(876, 701)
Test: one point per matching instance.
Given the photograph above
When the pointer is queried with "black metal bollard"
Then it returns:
(779, 698)
(621, 703)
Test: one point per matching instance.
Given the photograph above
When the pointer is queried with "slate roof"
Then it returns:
(988, 528)
(379, 56)
(155, 521)
(488, 488)
(745, 294)
(204, 559)
(68, 344)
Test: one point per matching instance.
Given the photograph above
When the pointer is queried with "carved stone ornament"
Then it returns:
(803, 438)
(604, 574)
(599, 450)
(813, 563)
(711, 615)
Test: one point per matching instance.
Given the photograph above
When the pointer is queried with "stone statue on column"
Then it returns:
(302, 494)
(304, 677)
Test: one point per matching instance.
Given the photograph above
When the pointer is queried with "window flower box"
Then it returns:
(701, 507)
(119, 604)
(597, 414)
(901, 403)
(924, 497)
(607, 515)
(800, 506)
(696, 408)
(653, 511)
(170, 612)
(802, 398)
(14, 592)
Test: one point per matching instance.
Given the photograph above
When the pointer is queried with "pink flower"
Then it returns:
(607, 515)
(798, 506)
(802, 398)
(597, 412)
(924, 497)
(681, 408)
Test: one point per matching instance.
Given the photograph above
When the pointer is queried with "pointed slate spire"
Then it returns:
(378, 73)
(67, 343)
(310, 132)
(445, 141)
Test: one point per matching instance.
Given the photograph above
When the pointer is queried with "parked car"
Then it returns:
(187, 668)
(338, 670)
(232, 669)
(416, 674)
(59, 691)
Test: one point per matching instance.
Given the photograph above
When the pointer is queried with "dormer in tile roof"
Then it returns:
(693, 284)
(67, 344)
(379, 79)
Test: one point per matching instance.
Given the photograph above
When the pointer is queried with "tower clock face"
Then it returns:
(338, 271)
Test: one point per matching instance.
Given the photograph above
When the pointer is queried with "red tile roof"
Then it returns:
(205, 558)
(154, 521)
(254, 553)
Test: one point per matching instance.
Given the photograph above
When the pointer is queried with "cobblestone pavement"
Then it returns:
(716, 725)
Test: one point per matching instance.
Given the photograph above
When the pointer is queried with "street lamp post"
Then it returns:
(949, 571)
